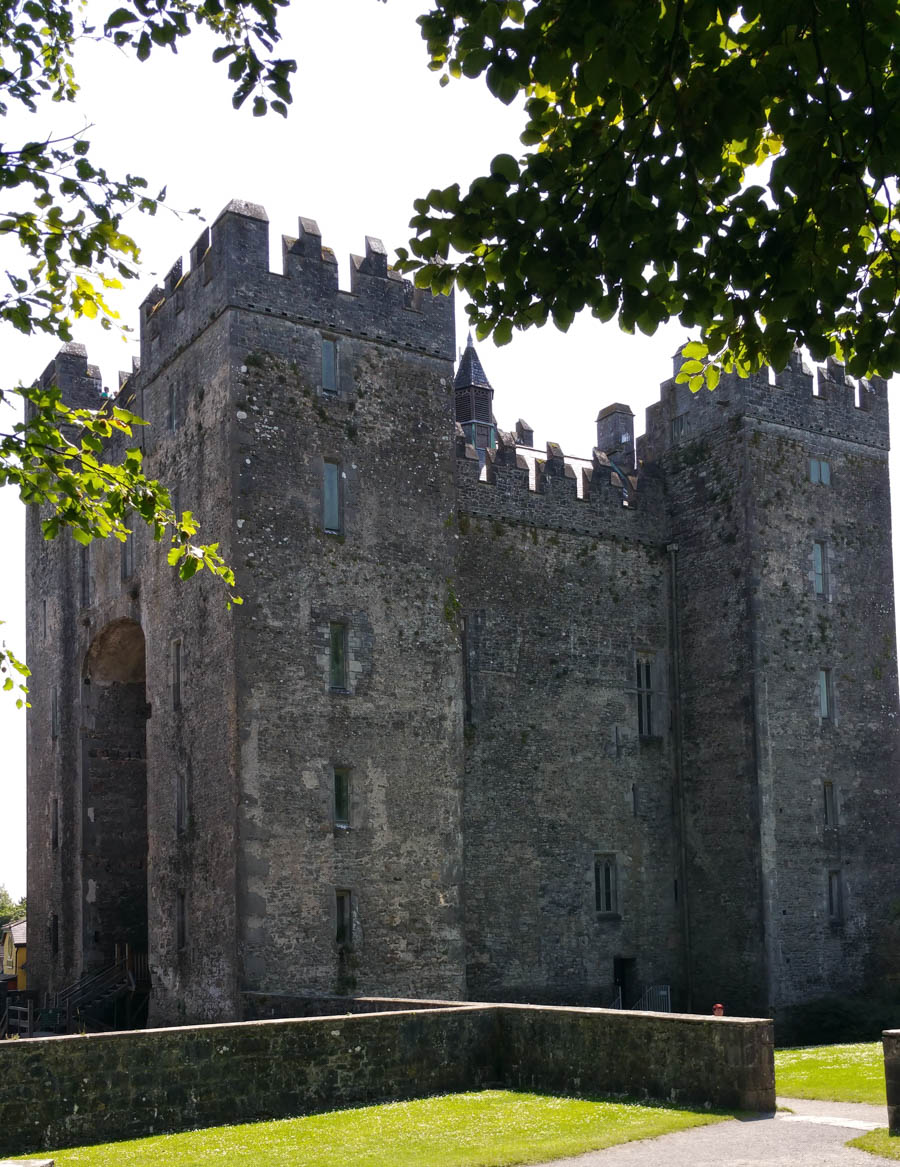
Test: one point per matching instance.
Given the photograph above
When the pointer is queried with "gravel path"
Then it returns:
(812, 1136)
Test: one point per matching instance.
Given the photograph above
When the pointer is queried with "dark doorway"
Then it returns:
(114, 796)
(625, 978)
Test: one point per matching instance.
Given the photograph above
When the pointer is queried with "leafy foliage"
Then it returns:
(58, 458)
(69, 219)
(64, 212)
(10, 909)
(730, 164)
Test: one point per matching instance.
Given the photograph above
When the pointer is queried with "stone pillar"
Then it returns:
(891, 1039)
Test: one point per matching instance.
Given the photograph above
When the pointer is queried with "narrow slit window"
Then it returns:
(177, 665)
(332, 509)
(85, 577)
(181, 802)
(341, 796)
(54, 713)
(820, 568)
(467, 671)
(128, 556)
(343, 930)
(54, 934)
(180, 921)
(830, 807)
(329, 365)
(606, 884)
(826, 695)
(337, 667)
(644, 697)
(835, 897)
(172, 419)
(54, 824)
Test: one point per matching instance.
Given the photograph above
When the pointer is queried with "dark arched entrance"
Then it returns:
(114, 795)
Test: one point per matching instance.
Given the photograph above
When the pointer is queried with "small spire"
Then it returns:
(470, 373)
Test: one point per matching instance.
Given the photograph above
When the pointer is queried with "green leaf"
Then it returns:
(118, 18)
(505, 166)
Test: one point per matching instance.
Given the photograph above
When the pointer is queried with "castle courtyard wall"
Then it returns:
(76, 1090)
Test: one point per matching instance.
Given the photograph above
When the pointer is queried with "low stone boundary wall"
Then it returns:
(891, 1042)
(66, 1091)
(723, 1062)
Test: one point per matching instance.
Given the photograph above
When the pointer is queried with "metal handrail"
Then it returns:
(655, 999)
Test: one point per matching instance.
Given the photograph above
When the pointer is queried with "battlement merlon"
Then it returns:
(822, 402)
(229, 268)
(79, 383)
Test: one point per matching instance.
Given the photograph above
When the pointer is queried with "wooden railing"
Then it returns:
(19, 1019)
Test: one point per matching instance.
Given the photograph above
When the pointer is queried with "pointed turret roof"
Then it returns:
(470, 373)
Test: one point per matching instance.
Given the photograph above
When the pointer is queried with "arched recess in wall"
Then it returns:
(114, 795)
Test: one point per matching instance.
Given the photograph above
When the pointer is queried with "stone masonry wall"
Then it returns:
(55, 646)
(799, 914)
(190, 747)
(557, 772)
(76, 1090)
(192, 736)
(707, 495)
(830, 804)
(395, 727)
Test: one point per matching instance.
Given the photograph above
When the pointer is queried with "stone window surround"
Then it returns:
(607, 899)
(342, 791)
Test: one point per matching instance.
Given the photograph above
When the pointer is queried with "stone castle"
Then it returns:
(491, 723)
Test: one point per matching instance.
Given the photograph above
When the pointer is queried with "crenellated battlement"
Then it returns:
(602, 499)
(80, 384)
(821, 401)
(229, 268)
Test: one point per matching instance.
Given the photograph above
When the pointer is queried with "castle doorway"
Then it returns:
(114, 796)
(625, 978)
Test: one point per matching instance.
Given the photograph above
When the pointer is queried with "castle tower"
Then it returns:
(787, 736)
(474, 401)
(615, 434)
(288, 819)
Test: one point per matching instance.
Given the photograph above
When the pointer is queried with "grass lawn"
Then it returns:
(490, 1128)
(878, 1143)
(835, 1073)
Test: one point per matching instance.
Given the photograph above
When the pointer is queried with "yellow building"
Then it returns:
(14, 954)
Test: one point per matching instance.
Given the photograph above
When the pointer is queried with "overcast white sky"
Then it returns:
(369, 131)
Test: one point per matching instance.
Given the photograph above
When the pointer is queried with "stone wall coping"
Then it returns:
(633, 1014)
(225, 1027)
